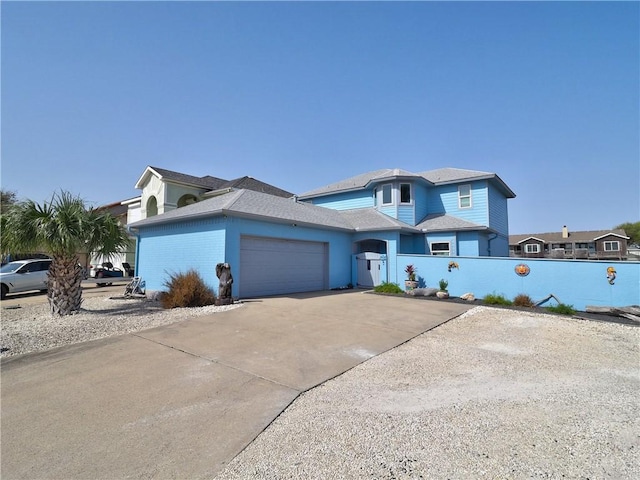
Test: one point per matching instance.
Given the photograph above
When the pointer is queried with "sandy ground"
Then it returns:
(492, 394)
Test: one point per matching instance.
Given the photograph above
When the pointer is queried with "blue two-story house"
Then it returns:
(348, 232)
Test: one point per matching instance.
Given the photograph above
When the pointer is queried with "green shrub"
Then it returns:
(186, 290)
(443, 284)
(494, 299)
(387, 287)
(523, 300)
(562, 309)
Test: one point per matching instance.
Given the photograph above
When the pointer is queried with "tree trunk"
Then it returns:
(65, 285)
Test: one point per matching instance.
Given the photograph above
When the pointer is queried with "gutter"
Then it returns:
(489, 240)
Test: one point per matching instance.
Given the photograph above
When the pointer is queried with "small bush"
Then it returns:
(523, 300)
(493, 299)
(186, 290)
(387, 287)
(443, 284)
(562, 309)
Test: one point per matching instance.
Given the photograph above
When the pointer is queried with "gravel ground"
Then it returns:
(32, 328)
(494, 393)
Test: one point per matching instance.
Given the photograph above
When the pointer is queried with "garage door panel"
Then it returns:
(270, 266)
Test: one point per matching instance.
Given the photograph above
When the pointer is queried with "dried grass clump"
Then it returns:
(186, 290)
(523, 300)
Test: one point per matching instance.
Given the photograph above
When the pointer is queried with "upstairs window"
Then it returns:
(405, 193)
(386, 194)
(464, 196)
(612, 246)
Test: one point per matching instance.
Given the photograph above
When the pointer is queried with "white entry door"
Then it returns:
(369, 266)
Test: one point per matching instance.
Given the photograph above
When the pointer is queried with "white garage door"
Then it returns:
(272, 266)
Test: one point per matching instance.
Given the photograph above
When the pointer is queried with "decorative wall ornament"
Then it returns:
(522, 269)
(611, 275)
(452, 265)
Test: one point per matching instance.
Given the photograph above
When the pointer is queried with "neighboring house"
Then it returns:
(165, 190)
(346, 232)
(592, 245)
(120, 210)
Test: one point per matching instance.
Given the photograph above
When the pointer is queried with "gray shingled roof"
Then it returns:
(440, 222)
(359, 181)
(210, 183)
(574, 237)
(440, 176)
(250, 183)
(368, 219)
(248, 203)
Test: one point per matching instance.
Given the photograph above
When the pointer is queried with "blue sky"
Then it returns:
(300, 95)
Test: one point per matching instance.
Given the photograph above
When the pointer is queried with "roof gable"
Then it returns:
(440, 176)
(207, 182)
(444, 176)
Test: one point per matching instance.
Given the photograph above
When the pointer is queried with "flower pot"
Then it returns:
(442, 294)
(410, 284)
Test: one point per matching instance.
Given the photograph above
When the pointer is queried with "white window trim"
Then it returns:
(443, 253)
(611, 242)
(535, 248)
(382, 202)
(460, 196)
(410, 202)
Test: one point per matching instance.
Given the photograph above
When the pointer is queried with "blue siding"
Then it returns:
(444, 199)
(421, 202)
(390, 211)
(498, 212)
(499, 246)
(574, 282)
(406, 214)
(468, 243)
(345, 200)
(177, 248)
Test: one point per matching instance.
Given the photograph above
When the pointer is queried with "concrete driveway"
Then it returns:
(181, 401)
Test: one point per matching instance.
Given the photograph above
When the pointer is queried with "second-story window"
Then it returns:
(405, 193)
(464, 196)
(386, 194)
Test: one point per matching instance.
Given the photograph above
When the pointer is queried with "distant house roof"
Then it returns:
(210, 183)
(116, 209)
(440, 222)
(440, 176)
(574, 237)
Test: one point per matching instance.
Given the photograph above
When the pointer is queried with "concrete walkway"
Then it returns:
(181, 401)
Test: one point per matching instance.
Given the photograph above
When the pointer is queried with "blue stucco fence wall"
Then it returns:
(573, 282)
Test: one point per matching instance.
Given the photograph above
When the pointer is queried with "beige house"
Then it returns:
(165, 190)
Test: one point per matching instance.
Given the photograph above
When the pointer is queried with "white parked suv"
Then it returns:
(24, 275)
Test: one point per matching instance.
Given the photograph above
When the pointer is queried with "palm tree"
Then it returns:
(63, 227)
